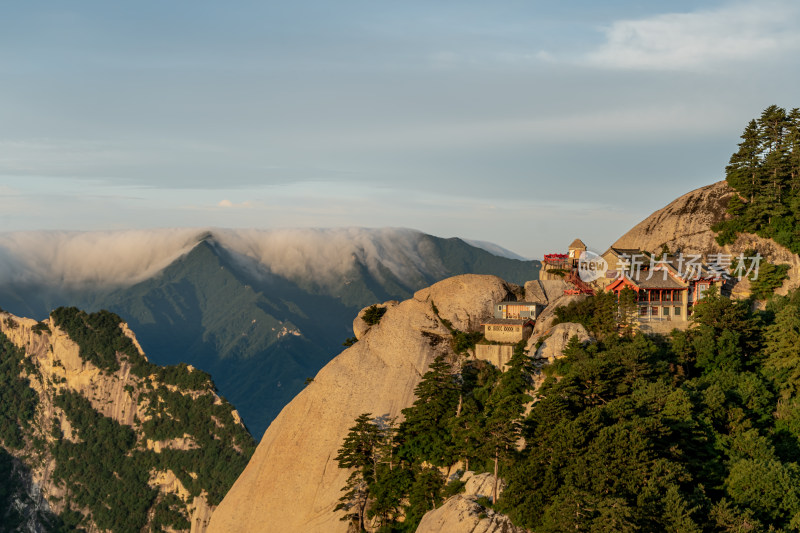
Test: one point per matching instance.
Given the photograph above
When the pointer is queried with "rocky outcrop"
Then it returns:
(481, 484)
(545, 291)
(497, 354)
(557, 339)
(466, 301)
(463, 514)
(293, 482)
(685, 225)
(544, 322)
(360, 327)
(57, 366)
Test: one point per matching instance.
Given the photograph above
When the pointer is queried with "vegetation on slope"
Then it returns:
(765, 172)
(468, 415)
(105, 467)
(100, 470)
(17, 399)
(697, 431)
(373, 314)
(103, 343)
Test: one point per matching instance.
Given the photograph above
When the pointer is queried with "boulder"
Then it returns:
(557, 339)
(545, 320)
(360, 327)
(466, 300)
(545, 291)
(462, 514)
(481, 484)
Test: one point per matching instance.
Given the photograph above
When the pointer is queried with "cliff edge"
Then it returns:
(293, 482)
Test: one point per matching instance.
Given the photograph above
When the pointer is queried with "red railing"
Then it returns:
(555, 258)
(580, 285)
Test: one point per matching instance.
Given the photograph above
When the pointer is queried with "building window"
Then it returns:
(642, 310)
(666, 311)
(677, 311)
(701, 289)
(654, 311)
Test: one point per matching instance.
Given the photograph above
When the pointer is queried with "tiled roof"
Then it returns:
(656, 281)
(625, 251)
(577, 243)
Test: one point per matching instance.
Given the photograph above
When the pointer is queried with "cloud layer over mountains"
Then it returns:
(119, 258)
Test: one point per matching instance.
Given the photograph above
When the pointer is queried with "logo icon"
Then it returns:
(591, 266)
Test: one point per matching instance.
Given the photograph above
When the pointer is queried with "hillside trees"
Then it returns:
(694, 432)
(468, 412)
(425, 430)
(361, 453)
(17, 399)
(765, 172)
(103, 466)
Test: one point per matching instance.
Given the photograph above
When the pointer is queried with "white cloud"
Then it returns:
(78, 259)
(120, 258)
(227, 204)
(702, 39)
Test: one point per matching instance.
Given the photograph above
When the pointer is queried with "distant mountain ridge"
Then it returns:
(261, 310)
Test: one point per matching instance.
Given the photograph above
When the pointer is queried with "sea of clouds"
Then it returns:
(100, 259)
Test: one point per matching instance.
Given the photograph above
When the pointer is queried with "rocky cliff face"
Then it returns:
(556, 339)
(54, 366)
(463, 513)
(685, 225)
(293, 483)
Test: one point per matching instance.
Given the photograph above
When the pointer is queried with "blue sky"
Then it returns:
(519, 122)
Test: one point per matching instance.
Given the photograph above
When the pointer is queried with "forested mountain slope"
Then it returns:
(96, 438)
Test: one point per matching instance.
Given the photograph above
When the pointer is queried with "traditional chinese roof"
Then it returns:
(657, 280)
(508, 302)
(691, 268)
(577, 243)
(624, 251)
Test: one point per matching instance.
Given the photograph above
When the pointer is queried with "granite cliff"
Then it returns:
(378, 374)
(97, 443)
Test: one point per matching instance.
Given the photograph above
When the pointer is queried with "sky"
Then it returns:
(523, 123)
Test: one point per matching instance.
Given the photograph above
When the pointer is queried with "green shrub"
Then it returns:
(349, 341)
(40, 328)
(373, 314)
(770, 277)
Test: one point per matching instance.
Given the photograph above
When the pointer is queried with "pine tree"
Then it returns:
(505, 408)
(743, 170)
(361, 452)
(793, 142)
(426, 429)
(782, 348)
(628, 309)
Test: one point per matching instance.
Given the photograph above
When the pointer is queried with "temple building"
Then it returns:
(666, 290)
(518, 310)
(510, 330)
